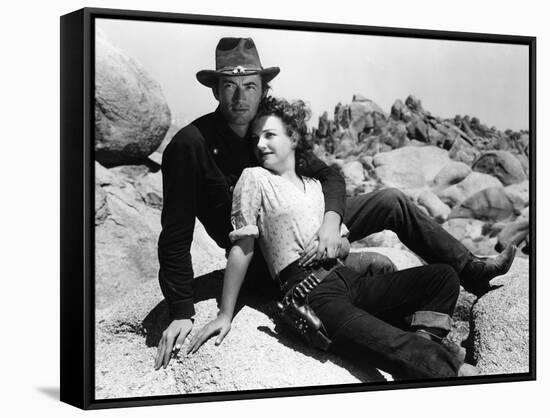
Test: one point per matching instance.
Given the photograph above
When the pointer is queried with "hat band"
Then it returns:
(239, 69)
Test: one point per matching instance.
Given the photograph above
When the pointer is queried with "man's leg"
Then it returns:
(391, 209)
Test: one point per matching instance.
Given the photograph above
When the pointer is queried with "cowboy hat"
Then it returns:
(234, 57)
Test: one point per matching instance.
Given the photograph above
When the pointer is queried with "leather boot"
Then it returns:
(478, 272)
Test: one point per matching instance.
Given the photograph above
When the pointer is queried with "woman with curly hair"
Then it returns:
(396, 321)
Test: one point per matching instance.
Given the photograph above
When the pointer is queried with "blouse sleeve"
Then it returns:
(247, 198)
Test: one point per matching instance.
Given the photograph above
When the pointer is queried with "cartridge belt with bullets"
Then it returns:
(294, 309)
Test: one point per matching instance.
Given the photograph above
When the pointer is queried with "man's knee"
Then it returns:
(393, 197)
(386, 199)
(448, 278)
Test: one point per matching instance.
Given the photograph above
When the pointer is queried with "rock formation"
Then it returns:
(131, 114)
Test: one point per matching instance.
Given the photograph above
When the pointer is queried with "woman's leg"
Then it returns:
(420, 298)
(360, 335)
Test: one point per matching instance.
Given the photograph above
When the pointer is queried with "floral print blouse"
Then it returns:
(283, 217)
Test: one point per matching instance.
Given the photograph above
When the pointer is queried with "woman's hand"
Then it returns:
(221, 326)
(326, 243)
(344, 249)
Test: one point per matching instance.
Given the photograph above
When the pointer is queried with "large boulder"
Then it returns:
(501, 324)
(354, 174)
(460, 148)
(515, 233)
(471, 184)
(131, 114)
(410, 166)
(463, 228)
(490, 204)
(417, 129)
(452, 173)
(435, 207)
(414, 103)
(384, 239)
(396, 109)
(361, 113)
(401, 256)
(471, 233)
(501, 164)
(346, 145)
(519, 192)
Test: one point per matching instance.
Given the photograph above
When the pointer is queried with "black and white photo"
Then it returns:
(279, 209)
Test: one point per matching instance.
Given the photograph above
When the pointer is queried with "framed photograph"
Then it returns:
(256, 208)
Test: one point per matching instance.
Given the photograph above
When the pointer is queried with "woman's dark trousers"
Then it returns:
(372, 319)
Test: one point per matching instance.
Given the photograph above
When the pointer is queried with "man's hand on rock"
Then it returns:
(172, 339)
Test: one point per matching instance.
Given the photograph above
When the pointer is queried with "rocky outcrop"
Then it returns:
(501, 164)
(519, 193)
(131, 114)
(127, 226)
(354, 174)
(410, 167)
(515, 233)
(501, 324)
(470, 185)
(126, 230)
(451, 174)
(472, 234)
(434, 206)
(489, 204)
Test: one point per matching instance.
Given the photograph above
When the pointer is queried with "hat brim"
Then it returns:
(209, 78)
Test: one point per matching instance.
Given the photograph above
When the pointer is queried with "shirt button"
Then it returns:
(215, 151)
(231, 189)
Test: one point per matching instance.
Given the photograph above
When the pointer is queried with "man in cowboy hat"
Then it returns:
(203, 162)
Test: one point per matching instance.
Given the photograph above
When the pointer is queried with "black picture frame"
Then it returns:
(77, 356)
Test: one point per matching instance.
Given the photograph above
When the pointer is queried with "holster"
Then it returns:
(295, 311)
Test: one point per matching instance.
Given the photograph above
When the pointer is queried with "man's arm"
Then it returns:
(327, 242)
(332, 182)
(185, 162)
(180, 178)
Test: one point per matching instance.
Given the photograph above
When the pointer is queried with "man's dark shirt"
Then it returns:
(200, 167)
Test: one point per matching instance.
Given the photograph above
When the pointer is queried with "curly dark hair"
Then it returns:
(294, 116)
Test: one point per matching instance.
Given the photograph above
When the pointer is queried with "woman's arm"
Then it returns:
(238, 261)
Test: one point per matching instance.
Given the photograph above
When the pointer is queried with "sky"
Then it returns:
(486, 80)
